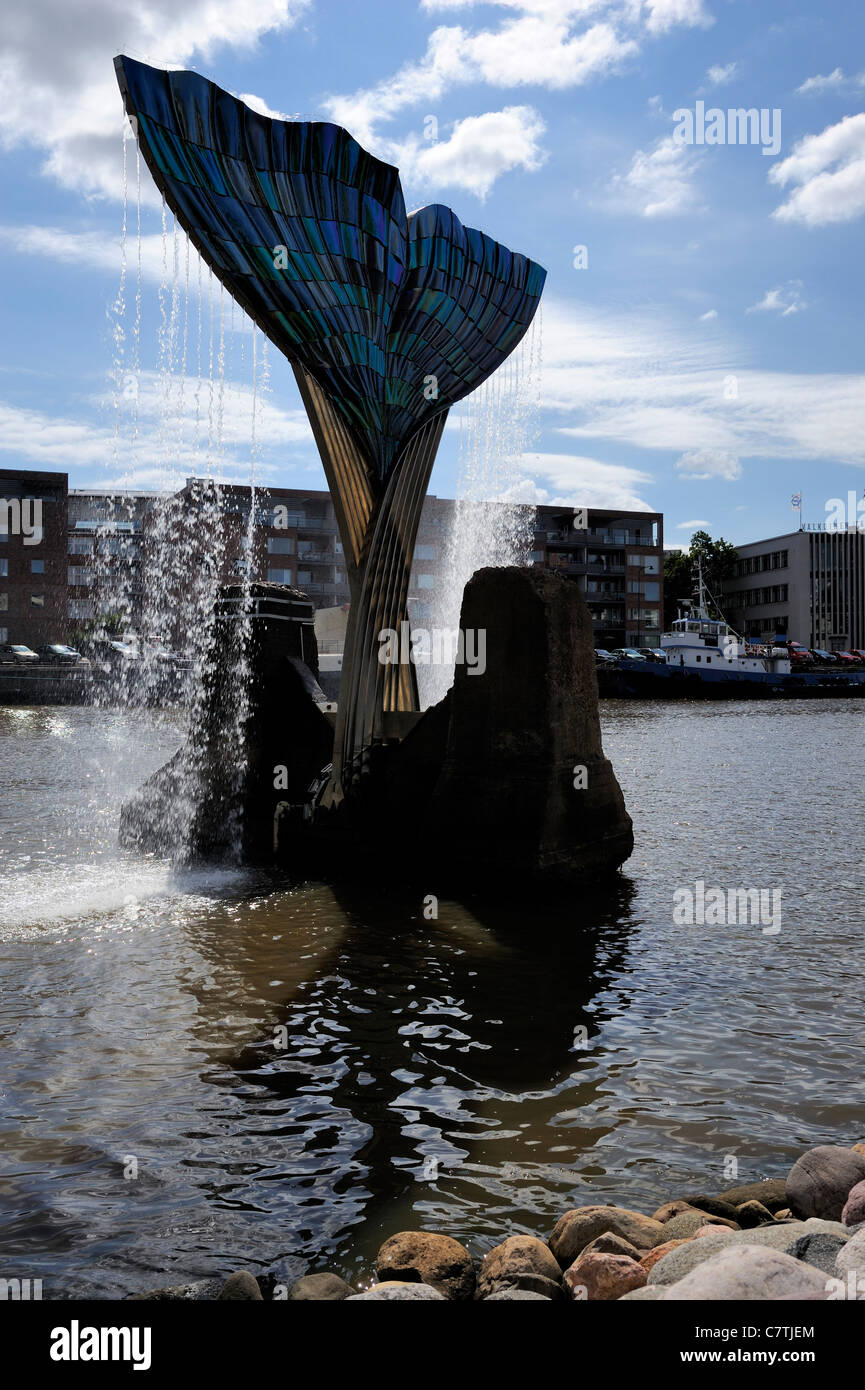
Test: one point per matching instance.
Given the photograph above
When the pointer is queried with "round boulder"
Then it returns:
(393, 1291)
(517, 1256)
(751, 1273)
(320, 1288)
(422, 1257)
(651, 1257)
(854, 1207)
(820, 1182)
(241, 1287)
(603, 1278)
(579, 1227)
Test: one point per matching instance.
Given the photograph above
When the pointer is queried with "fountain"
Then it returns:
(388, 320)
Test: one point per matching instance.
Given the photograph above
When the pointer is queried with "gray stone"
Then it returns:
(320, 1288)
(852, 1256)
(199, 1291)
(819, 1250)
(742, 1272)
(781, 1236)
(516, 1295)
(392, 1291)
(686, 1257)
(241, 1287)
(650, 1292)
(528, 1283)
(820, 1182)
(687, 1224)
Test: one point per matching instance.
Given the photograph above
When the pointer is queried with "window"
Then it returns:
(4, 603)
(280, 545)
(652, 591)
(424, 552)
(80, 545)
(79, 574)
(426, 581)
(699, 658)
(4, 568)
(279, 576)
(4, 634)
(37, 600)
(37, 566)
(81, 608)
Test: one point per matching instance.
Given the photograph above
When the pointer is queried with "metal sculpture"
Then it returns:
(387, 319)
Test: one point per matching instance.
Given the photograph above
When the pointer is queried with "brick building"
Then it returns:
(33, 520)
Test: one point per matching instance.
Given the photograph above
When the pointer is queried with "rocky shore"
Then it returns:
(799, 1237)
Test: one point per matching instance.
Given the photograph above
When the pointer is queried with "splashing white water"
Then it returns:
(490, 526)
(159, 558)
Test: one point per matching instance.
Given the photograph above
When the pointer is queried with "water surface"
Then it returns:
(295, 1073)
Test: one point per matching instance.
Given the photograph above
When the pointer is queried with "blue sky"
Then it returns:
(707, 361)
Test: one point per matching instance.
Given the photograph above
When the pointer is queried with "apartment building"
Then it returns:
(104, 548)
(33, 509)
(617, 558)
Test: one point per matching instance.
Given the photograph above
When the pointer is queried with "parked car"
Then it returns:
(58, 653)
(603, 657)
(849, 658)
(112, 649)
(800, 656)
(652, 653)
(857, 651)
(828, 658)
(16, 652)
(627, 653)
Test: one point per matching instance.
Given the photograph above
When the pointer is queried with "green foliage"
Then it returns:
(718, 559)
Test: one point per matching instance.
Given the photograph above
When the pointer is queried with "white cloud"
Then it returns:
(828, 171)
(169, 445)
(669, 14)
(60, 93)
(659, 182)
(532, 48)
(785, 300)
(478, 150)
(92, 250)
(587, 482)
(648, 382)
(833, 81)
(709, 315)
(554, 44)
(709, 463)
(718, 76)
(690, 525)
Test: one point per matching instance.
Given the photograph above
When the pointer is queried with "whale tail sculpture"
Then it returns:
(387, 318)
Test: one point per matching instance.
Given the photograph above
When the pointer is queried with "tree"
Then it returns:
(718, 562)
(678, 585)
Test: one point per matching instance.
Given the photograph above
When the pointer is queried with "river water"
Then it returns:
(204, 1071)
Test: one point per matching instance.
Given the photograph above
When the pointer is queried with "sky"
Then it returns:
(702, 344)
